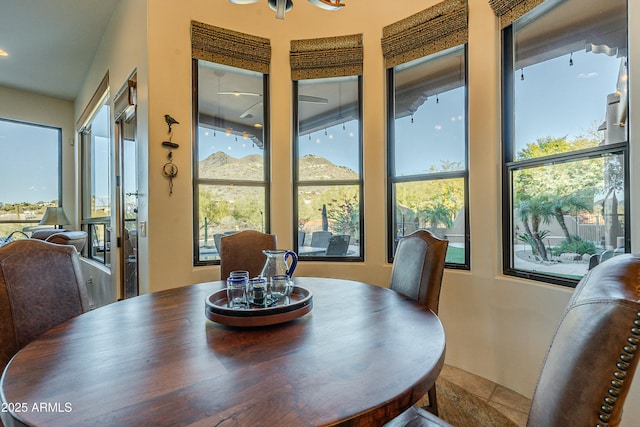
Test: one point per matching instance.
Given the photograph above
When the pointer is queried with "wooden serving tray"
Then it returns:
(217, 311)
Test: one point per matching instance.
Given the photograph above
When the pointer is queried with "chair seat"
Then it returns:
(417, 417)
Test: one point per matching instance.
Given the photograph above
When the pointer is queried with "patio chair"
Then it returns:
(14, 235)
(338, 245)
(320, 239)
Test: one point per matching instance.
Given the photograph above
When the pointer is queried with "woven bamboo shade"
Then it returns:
(229, 47)
(510, 10)
(326, 57)
(439, 27)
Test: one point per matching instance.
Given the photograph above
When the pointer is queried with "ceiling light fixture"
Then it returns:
(327, 4)
(283, 6)
(3, 52)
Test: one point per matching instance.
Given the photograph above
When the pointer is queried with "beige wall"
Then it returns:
(498, 327)
(122, 51)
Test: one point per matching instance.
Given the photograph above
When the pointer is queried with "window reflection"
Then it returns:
(231, 175)
(566, 138)
(328, 169)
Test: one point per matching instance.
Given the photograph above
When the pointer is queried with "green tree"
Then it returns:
(431, 203)
(344, 215)
(564, 205)
(555, 189)
(212, 209)
(532, 213)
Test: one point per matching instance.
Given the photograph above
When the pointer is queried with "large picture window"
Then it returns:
(428, 151)
(231, 186)
(566, 180)
(328, 172)
(30, 174)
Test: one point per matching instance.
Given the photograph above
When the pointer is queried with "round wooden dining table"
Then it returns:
(361, 356)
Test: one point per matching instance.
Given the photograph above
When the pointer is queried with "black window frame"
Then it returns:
(509, 165)
(197, 181)
(392, 179)
(297, 183)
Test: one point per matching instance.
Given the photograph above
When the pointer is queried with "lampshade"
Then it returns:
(54, 216)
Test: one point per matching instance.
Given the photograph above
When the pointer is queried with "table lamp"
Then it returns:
(54, 216)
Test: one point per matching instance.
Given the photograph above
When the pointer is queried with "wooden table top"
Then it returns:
(362, 356)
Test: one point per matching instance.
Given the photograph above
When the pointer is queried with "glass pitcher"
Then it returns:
(277, 265)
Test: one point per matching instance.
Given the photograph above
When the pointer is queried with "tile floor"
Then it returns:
(508, 402)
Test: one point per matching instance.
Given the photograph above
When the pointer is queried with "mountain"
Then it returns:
(220, 165)
(316, 168)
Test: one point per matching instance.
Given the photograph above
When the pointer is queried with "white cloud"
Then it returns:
(587, 75)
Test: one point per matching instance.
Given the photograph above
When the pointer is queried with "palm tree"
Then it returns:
(436, 215)
(536, 210)
(563, 205)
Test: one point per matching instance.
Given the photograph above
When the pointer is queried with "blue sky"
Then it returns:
(567, 100)
(29, 170)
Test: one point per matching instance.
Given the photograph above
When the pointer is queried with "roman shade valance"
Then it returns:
(326, 57)
(227, 47)
(510, 10)
(434, 29)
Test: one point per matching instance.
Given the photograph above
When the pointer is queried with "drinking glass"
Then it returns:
(237, 292)
(257, 291)
(280, 289)
(239, 273)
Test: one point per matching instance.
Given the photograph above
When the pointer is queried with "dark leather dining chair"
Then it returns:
(243, 251)
(41, 286)
(594, 353)
(418, 267)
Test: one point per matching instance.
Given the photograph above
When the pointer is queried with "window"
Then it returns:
(95, 137)
(328, 171)
(231, 157)
(566, 179)
(428, 151)
(30, 173)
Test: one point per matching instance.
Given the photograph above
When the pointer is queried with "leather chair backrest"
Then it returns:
(41, 286)
(418, 267)
(592, 358)
(243, 251)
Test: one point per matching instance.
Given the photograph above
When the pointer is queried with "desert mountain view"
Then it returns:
(220, 165)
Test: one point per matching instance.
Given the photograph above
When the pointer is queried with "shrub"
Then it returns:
(578, 246)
